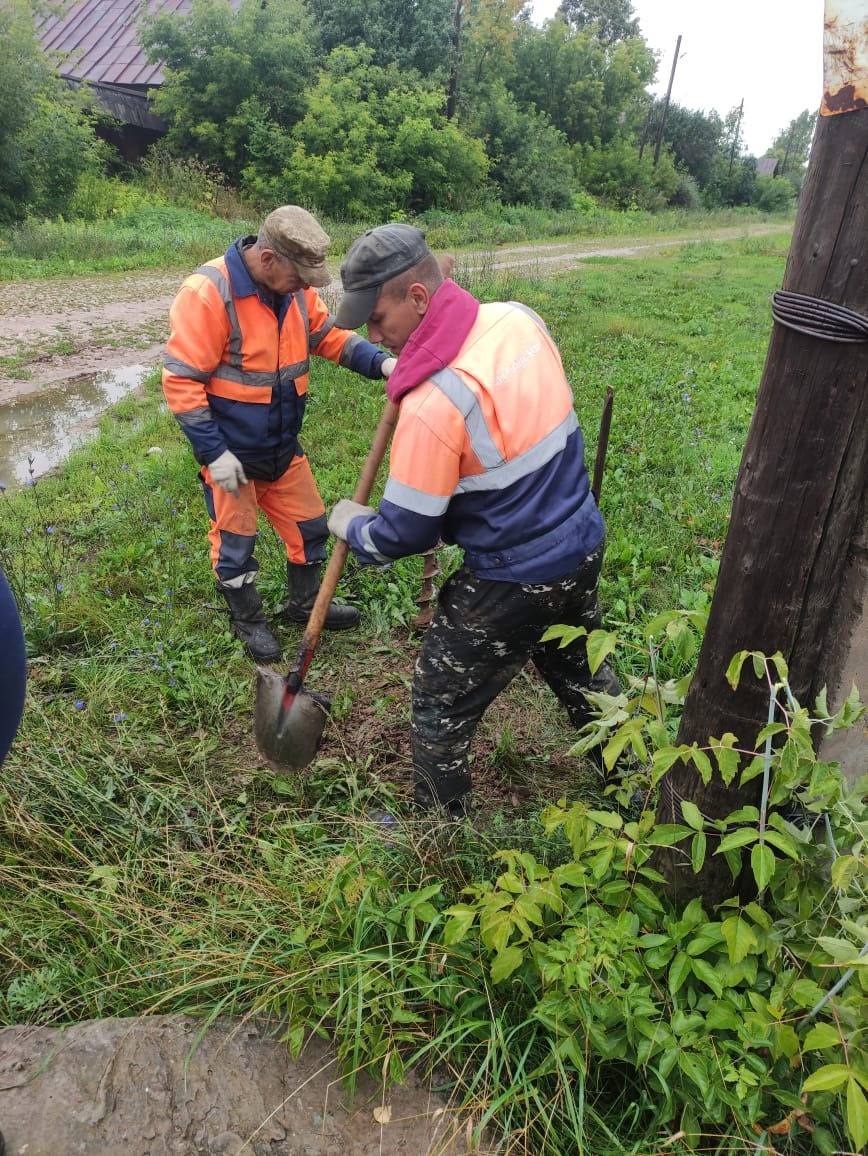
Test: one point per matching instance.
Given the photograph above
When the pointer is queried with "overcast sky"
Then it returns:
(769, 52)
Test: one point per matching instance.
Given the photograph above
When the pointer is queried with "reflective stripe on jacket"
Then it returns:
(488, 453)
(236, 367)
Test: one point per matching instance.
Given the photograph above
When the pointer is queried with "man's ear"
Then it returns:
(419, 297)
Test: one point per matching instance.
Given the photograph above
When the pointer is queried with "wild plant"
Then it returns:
(35, 556)
(734, 1029)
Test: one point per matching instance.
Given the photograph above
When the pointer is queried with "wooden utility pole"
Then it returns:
(452, 99)
(735, 136)
(795, 565)
(665, 112)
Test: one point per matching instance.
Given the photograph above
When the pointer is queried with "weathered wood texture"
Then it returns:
(786, 580)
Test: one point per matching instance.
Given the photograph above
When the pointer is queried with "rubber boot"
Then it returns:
(303, 582)
(249, 623)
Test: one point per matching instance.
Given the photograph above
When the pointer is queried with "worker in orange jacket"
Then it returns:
(487, 453)
(235, 376)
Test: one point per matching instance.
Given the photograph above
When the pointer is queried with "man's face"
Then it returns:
(394, 319)
(279, 274)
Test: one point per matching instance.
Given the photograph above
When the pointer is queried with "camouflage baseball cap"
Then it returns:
(293, 233)
(373, 259)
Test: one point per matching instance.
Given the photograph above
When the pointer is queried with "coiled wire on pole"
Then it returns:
(818, 318)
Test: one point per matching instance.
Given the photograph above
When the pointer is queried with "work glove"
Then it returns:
(228, 472)
(343, 514)
(388, 366)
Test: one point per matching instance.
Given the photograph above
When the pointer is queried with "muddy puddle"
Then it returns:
(38, 431)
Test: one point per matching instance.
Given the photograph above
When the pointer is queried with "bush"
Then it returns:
(616, 173)
(772, 194)
(46, 138)
(687, 193)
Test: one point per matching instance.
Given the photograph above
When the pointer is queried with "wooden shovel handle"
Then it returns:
(338, 559)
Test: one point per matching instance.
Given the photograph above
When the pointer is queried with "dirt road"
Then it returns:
(62, 328)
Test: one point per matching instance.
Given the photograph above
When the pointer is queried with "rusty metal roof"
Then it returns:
(97, 41)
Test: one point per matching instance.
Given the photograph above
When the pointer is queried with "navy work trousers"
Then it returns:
(482, 635)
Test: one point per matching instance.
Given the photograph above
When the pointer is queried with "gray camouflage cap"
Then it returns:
(373, 259)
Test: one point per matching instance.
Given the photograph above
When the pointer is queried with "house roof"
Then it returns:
(765, 166)
(97, 41)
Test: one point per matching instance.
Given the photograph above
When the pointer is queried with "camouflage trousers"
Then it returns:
(483, 633)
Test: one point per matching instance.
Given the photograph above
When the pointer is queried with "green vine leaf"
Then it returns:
(827, 1078)
(735, 839)
(763, 863)
(857, 1114)
(740, 938)
(505, 963)
(820, 1037)
(601, 643)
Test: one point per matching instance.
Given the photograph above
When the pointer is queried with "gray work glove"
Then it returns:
(388, 366)
(228, 472)
(343, 514)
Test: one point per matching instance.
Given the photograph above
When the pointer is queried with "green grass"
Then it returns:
(149, 860)
(145, 233)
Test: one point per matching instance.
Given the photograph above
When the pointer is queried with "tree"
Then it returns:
(489, 30)
(617, 174)
(228, 74)
(589, 91)
(792, 145)
(373, 141)
(411, 35)
(46, 138)
(695, 139)
(608, 20)
(530, 159)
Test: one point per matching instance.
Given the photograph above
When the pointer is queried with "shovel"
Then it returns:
(288, 719)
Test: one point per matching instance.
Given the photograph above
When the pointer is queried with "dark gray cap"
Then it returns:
(373, 259)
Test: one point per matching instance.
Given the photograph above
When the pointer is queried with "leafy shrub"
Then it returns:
(772, 195)
(530, 158)
(713, 1025)
(615, 172)
(687, 193)
(373, 142)
(46, 138)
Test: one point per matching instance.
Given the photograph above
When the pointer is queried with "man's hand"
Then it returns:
(388, 366)
(228, 473)
(343, 514)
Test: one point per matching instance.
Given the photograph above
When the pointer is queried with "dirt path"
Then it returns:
(62, 328)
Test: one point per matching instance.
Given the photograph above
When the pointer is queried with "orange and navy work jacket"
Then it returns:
(235, 373)
(487, 450)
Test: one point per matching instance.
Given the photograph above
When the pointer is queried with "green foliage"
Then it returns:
(228, 72)
(46, 139)
(772, 195)
(721, 1023)
(412, 36)
(616, 173)
(694, 137)
(793, 144)
(372, 142)
(530, 159)
(610, 20)
(589, 91)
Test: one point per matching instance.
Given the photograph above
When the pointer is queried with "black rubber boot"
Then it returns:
(249, 622)
(303, 582)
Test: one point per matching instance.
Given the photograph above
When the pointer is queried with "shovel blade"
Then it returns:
(294, 745)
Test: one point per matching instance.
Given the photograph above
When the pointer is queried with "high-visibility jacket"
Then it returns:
(487, 450)
(235, 372)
